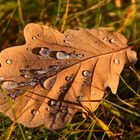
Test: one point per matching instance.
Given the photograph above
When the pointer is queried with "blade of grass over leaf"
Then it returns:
(108, 126)
(11, 128)
(104, 127)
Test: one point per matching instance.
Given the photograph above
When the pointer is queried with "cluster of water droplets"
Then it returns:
(59, 55)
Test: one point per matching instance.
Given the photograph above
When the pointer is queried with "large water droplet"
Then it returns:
(44, 52)
(48, 84)
(9, 85)
(62, 55)
(86, 73)
(116, 61)
(9, 61)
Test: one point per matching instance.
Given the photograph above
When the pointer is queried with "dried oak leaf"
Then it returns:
(54, 75)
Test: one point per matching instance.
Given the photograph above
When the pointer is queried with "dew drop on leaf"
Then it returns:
(9, 61)
(105, 39)
(44, 52)
(112, 40)
(79, 98)
(62, 55)
(34, 37)
(9, 85)
(116, 61)
(64, 111)
(34, 112)
(69, 78)
(86, 73)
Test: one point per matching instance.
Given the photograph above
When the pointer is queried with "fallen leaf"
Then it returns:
(54, 75)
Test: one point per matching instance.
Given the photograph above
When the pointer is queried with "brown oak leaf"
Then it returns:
(54, 75)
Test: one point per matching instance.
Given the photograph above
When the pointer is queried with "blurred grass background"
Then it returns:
(118, 117)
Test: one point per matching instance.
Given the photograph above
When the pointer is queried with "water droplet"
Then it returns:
(54, 67)
(112, 40)
(28, 49)
(48, 108)
(62, 55)
(34, 112)
(54, 103)
(39, 35)
(12, 95)
(79, 98)
(66, 36)
(66, 41)
(41, 72)
(48, 84)
(64, 111)
(44, 52)
(32, 83)
(116, 61)
(34, 37)
(27, 76)
(69, 78)
(105, 39)
(9, 61)
(80, 55)
(22, 84)
(28, 66)
(86, 73)
(2, 78)
(9, 85)
(63, 89)
(22, 71)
